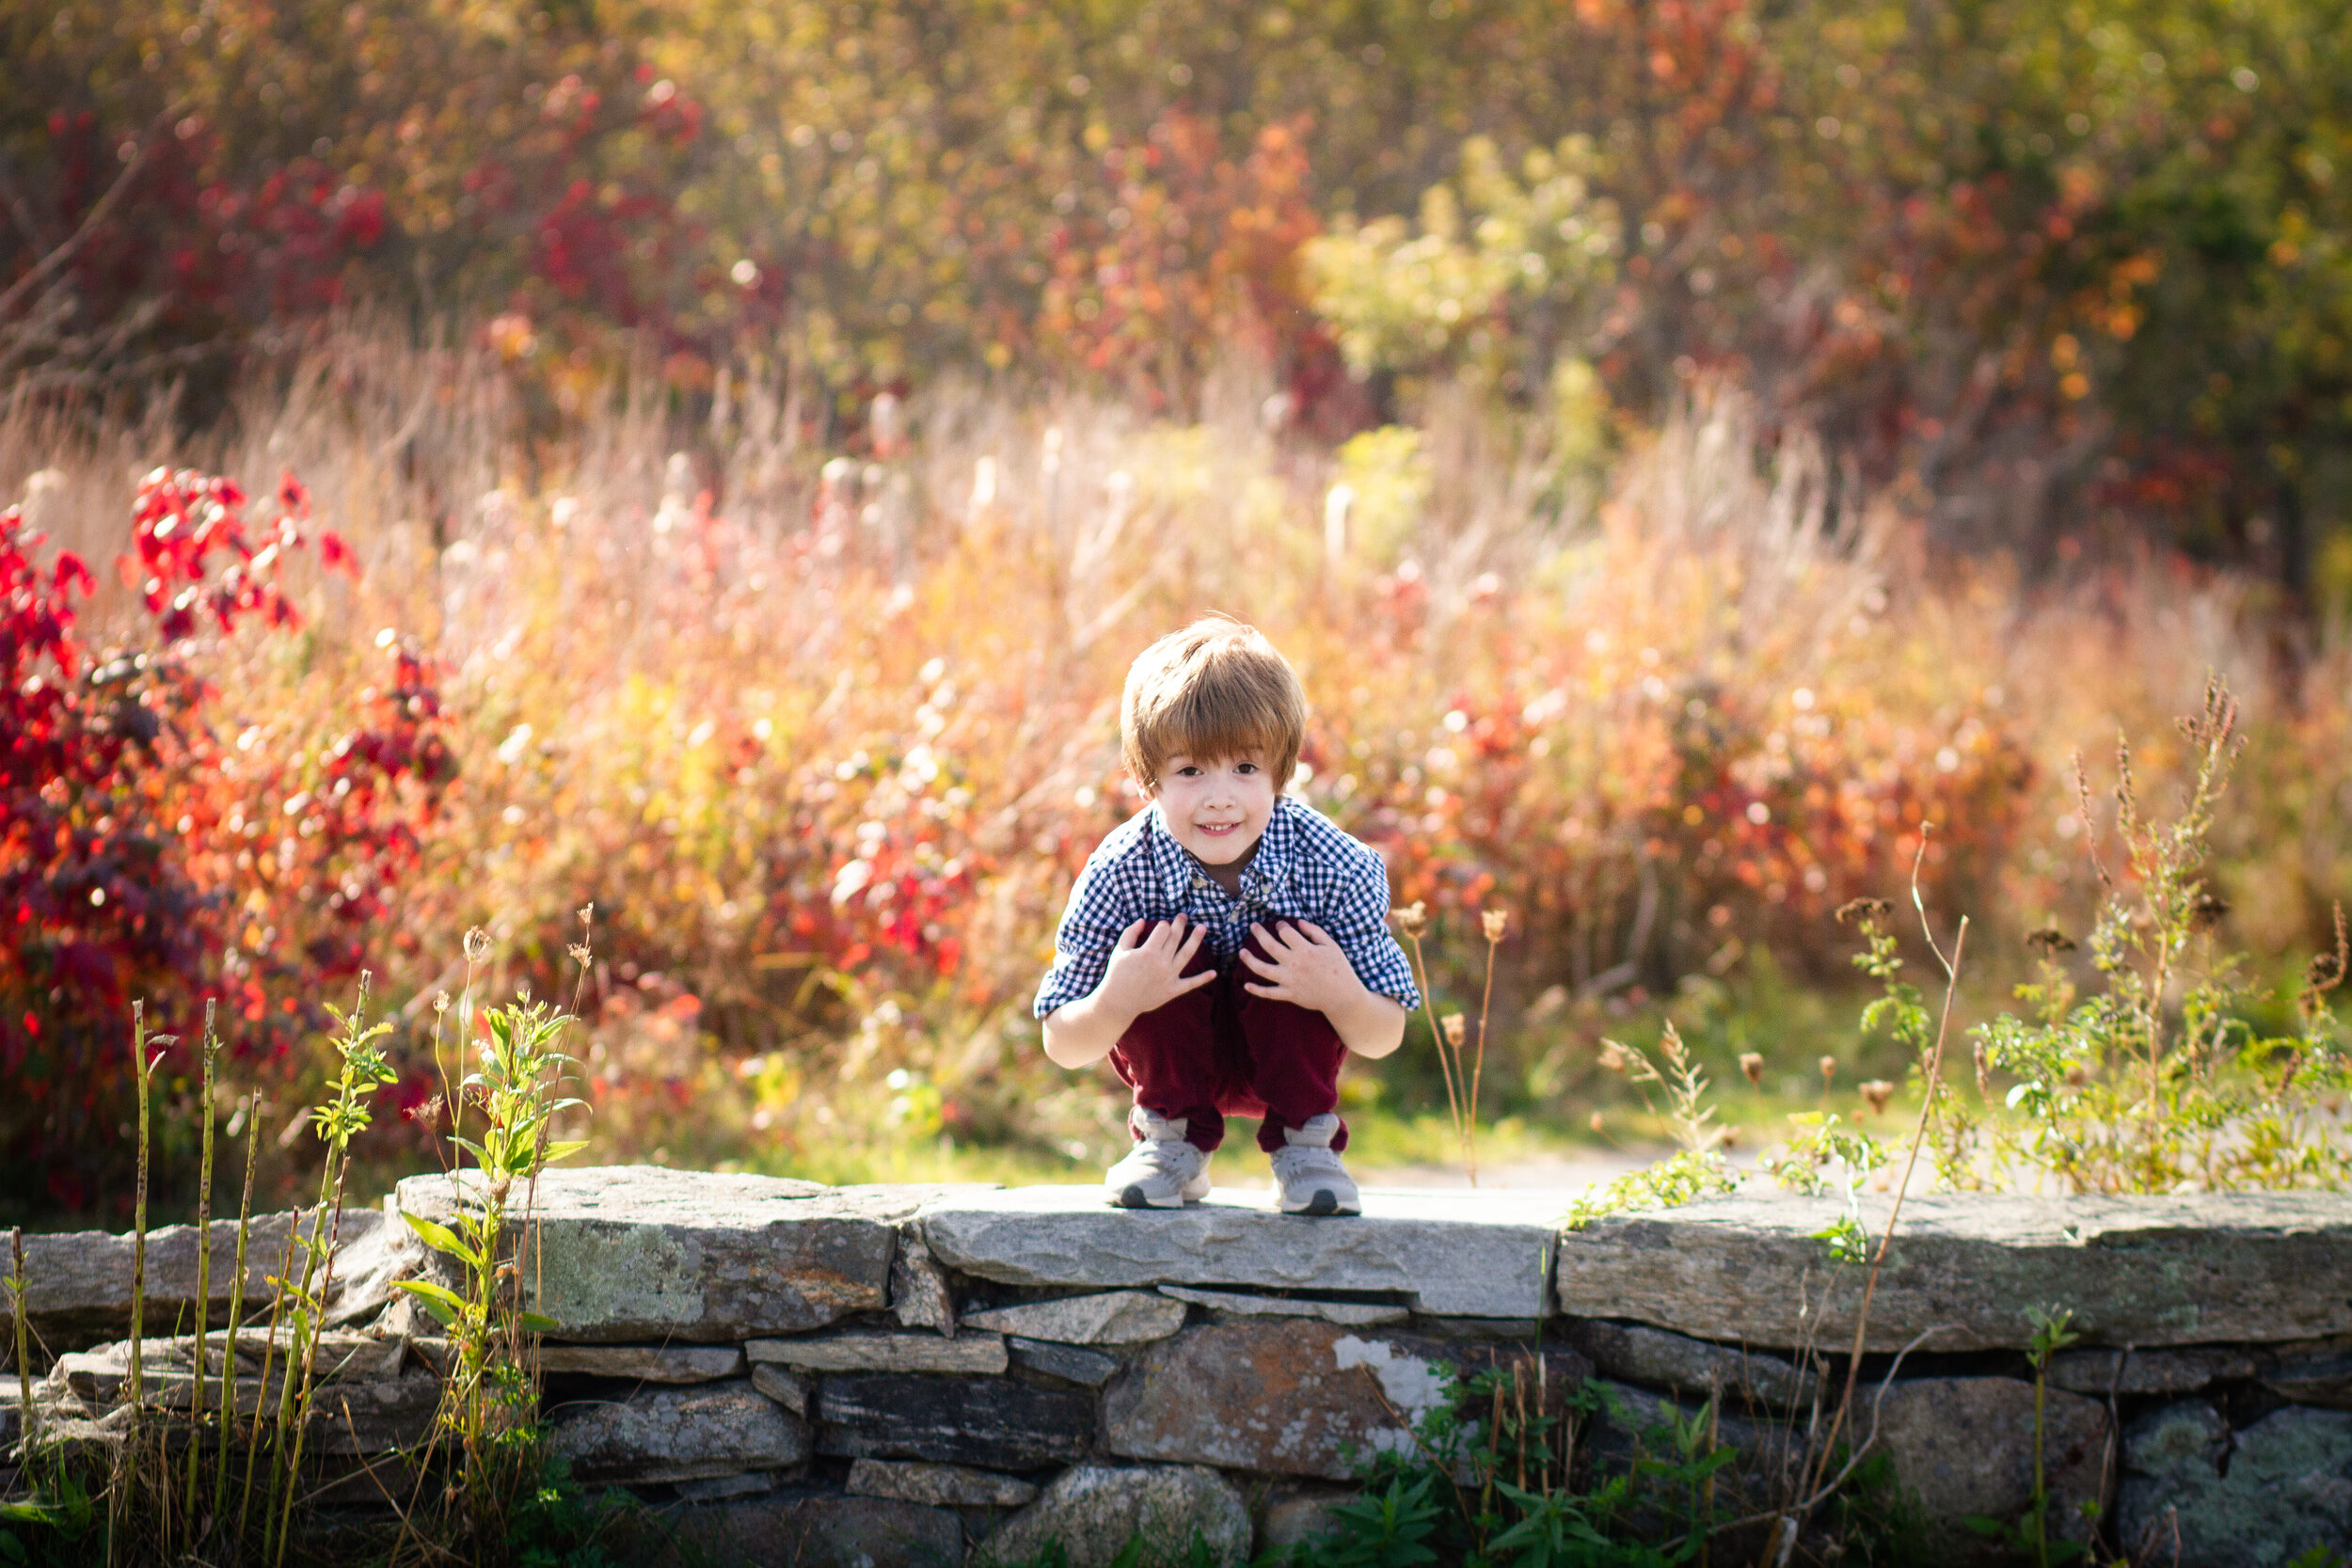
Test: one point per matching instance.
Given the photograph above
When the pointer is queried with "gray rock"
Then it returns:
(867, 1350)
(2139, 1270)
(983, 1421)
(1094, 1511)
(1474, 1254)
(657, 1434)
(1290, 1396)
(812, 1532)
(167, 1367)
(940, 1485)
(1692, 1367)
(1111, 1317)
(645, 1363)
(2100, 1373)
(2287, 1489)
(788, 1389)
(1965, 1445)
(78, 1283)
(1300, 1519)
(373, 1418)
(920, 1293)
(1067, 1362)
(637, 1251)
(1352, 1314)
(2323, 1378)
(719, 1488)
(1281, 1397)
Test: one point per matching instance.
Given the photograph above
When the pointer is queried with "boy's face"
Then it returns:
(1217, 808)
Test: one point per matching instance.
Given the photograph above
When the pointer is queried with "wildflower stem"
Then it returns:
(236, 1310)
(1437, 1036)
(203, 1265)
(1478, 1064)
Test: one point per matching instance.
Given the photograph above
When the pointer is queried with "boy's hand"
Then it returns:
(1147, 973)
(1303, 965)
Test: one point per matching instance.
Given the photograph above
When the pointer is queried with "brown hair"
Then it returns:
(1211, 692)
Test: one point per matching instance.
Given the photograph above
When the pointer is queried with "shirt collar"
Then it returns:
(1267, 868)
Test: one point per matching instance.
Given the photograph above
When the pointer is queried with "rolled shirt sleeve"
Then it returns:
(1360, 925)
(1083, 943)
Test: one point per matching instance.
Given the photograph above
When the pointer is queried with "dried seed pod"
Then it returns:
(1494, 923)
(1412, 918)
(1876, 1093)
(1829, 1069)
(1455, 1029)
(2050, 941)
(1751, 1066)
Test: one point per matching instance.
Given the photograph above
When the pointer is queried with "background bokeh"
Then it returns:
(1688, 448)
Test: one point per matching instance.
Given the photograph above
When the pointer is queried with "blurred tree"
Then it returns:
(2058, 271)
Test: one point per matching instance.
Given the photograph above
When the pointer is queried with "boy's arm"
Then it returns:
(1306, 967)
(1144, 972)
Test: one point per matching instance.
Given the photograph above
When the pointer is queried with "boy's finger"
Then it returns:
(1264, 966)
(1192, 943)
(1128, 936)
(1315, 933)
(1274, 991)
(1193, 982)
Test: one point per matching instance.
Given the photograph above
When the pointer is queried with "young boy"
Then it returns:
(1226, 946)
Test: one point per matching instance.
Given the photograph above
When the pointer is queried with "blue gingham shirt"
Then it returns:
(1305, 868)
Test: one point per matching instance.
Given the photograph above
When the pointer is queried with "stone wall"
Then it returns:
(805, 1374)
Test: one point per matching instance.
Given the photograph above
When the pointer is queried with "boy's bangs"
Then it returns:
(1207, 730)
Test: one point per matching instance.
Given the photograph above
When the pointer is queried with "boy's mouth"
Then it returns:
(1217, 829)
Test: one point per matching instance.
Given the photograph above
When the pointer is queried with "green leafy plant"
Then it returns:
(2161, 1078)
(2029, 1533)
(1694, 1171)
(489, 1401)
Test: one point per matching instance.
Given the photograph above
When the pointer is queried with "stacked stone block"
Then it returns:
(794, 1373)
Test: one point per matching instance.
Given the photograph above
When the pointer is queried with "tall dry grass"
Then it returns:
(826, 733)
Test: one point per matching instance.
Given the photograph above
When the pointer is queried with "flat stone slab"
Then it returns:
(912, 1480)
(2101, 1373)
(645, 1363)
(1071, 1363)
(78, 1282)
(866, 1350)
(1108, 1318)
(671, 1434)
(2152, 1271)
(1354, 1314)
(1462, 1254)
(642, 1252)
(1695, 1367)
(986, 1422)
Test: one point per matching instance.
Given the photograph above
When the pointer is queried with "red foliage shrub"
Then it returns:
(131, 857)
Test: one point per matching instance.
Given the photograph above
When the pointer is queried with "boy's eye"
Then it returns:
(1246, 767)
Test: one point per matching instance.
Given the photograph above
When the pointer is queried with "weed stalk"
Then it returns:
(204, 1262)
(236, 1310)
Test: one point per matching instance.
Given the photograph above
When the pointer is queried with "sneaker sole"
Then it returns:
(1134, 1197)
(1322, 1206)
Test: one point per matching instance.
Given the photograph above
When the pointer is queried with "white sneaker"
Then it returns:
(1308, 1172)
(1162, 1171)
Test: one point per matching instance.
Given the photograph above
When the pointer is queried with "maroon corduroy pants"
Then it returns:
(1218, 1051)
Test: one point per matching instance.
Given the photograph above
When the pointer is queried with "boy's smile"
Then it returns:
(1217, 809)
